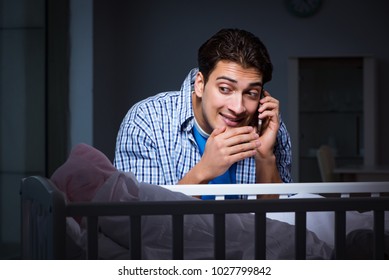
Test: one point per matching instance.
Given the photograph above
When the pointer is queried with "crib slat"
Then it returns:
(379, 241)
(260, 236)
(92, 244)
(340, 235)
(300, 235)
(135, 237)
(220, 236)
(35, 246)
(178, 237)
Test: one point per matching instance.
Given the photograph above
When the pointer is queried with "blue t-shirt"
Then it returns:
(229, 177)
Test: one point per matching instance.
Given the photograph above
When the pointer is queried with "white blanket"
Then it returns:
(88, 175)
(322, 223)
(198, 229)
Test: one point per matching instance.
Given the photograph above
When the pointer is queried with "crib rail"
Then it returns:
(342, 189)
(43, 227)
(177, 209)
(41, 201)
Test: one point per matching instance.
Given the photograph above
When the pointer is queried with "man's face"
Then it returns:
(229, 98)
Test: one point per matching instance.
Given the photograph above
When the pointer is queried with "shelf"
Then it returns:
(331, 100)
(330, 112)
(336, 158)
(22, 28)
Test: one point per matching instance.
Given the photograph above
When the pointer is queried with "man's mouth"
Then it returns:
(231, 120)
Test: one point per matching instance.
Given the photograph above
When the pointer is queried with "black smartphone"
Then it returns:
(259, 124)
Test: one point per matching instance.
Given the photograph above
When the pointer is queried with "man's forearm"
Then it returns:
(194, 176)
(267, 171)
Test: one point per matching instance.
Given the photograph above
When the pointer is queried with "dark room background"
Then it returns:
(71, 69)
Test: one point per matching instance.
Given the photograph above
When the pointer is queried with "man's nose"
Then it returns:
(236, 104)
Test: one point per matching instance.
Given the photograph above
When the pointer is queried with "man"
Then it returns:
(208, 131)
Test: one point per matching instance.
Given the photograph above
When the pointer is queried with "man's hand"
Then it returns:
(265, 161)
(225, 146)
(269, 112)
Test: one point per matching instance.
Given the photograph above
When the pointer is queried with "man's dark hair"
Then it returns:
(237, 46)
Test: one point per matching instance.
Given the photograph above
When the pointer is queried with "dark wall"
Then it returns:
(145, 47)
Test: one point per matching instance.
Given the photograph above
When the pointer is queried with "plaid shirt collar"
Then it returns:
(186, 116)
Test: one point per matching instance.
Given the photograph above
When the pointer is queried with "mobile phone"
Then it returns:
(259, 125)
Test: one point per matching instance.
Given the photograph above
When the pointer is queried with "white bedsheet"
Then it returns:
(322, 223)
(198, 229)
(88, 175)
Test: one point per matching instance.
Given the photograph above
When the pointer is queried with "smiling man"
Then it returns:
(208, 131)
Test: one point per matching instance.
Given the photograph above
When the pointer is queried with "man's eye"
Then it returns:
(224, 90)
(253, 94)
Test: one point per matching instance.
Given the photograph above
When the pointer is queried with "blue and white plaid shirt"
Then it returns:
(156, 141)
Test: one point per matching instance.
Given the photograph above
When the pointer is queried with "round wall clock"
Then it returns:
(303, 8)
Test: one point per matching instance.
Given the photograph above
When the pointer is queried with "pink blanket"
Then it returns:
(83, 173)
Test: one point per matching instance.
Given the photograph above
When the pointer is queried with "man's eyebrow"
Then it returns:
(259, 84)
(235, 81)
(227, 78)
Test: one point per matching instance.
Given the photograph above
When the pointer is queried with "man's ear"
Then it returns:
(199, 85)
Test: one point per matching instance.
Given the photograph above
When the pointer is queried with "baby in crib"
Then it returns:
(88, 175)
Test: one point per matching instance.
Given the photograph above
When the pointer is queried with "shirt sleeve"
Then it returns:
(283, 153)
(136, 150)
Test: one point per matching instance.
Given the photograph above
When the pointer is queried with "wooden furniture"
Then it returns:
(44, 210)
(362, 173)
(326, 162)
